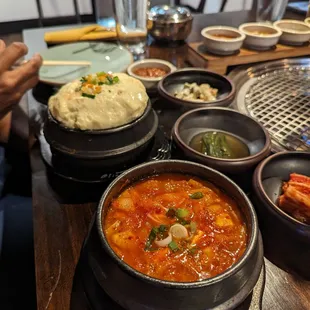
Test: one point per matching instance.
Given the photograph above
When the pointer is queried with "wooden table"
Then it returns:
(60, 228)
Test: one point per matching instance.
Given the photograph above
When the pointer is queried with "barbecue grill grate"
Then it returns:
(280, 100)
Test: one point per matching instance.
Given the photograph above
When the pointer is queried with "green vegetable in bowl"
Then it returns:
(215, 144)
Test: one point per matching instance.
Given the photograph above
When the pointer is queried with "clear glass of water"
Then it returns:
(131, 24)
(270, 10)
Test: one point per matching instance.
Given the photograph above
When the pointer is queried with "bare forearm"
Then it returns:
(5, 127)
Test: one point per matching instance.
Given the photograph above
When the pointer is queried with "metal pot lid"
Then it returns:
(277, 94)
(169, 14)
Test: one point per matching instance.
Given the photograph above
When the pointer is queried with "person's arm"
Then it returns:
(14, 83)
(5, 127)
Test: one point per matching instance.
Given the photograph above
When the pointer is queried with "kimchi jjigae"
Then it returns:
(176, 228)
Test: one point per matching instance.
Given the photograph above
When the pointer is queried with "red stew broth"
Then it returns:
(216, 239)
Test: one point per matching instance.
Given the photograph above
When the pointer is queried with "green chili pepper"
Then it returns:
(88, 95)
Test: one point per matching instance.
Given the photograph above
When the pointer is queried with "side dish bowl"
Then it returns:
(291, 236)
(243, 127)
(134, 290)
(222, 40)
(175, 81)
(294, 32)
(260, 36)
(307, 21)
(150, 83)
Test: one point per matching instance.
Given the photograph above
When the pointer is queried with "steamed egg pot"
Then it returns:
(136, 291)
(241, 126)
(97, 143)
(108, 150)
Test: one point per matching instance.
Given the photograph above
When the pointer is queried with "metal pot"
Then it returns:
(169, 23)
(134, 290)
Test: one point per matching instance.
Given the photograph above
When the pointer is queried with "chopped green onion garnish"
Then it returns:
(163, 228)
(101, 73)
(162, 232)
(110, 79)
(192, 251)
(173, 246)
(181, 213)
(183, 222)
(193, 227)
(197, 195)
(151, 239)
(170, 213)
(115, 79)
(88, 95)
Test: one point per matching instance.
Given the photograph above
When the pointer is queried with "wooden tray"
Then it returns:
(199, 57)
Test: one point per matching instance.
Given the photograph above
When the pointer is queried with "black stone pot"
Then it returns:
(136, 291)
(286, 240)
(239, 125)
(95, 153)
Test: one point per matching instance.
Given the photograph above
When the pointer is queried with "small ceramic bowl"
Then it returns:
(150, 83)
(175, 81)
(260, 36)
(307, 21)
(221, 40)
(241, 126)
(291, 237)
(294, 32)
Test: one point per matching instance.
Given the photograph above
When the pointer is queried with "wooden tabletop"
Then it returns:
(62, 218)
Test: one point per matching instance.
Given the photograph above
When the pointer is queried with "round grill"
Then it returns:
(277, 94)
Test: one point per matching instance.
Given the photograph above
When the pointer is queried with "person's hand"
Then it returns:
(14, 83)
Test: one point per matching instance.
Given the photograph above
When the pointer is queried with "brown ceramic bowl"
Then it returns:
(286, 240)
(224, 120)
(175, 81)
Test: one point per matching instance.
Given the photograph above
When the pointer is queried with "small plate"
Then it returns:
(103, 56)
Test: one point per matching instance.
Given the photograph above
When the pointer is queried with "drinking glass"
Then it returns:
(270, 10)
(131, 23)
(104, 13)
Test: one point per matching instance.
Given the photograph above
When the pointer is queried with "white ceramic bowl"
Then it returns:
(150, 83)
(307, 21)
(260, 36)
(294, 32)
(222, 40)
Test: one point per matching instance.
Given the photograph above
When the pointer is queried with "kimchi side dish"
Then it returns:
(176, 228)
(295, 199)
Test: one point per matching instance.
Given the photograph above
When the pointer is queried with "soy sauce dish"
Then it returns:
(222, 40)
(294, 32)
(221, 138)
(260, 36)
(167, 263)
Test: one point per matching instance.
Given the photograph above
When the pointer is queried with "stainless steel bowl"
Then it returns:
(170, 23)
(136, 291)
